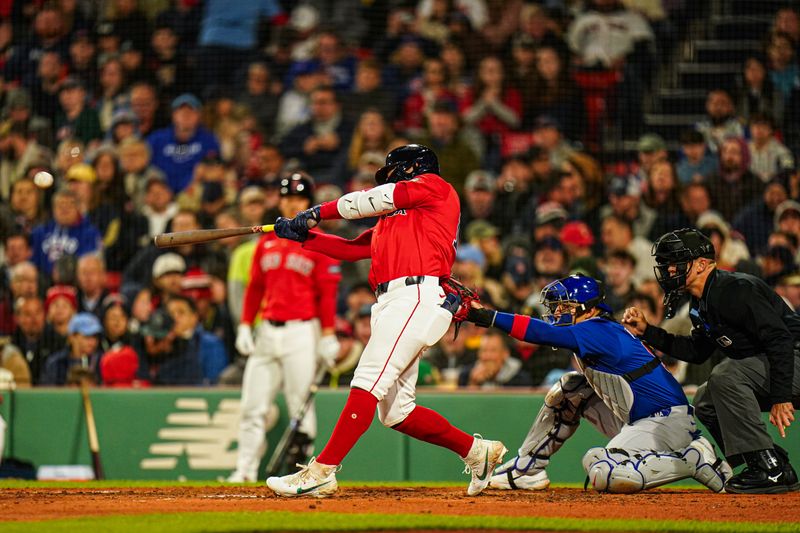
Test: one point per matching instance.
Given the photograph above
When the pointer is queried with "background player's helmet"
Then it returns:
(297, 183)
(678, 249)
(407, 161)
(570, 297)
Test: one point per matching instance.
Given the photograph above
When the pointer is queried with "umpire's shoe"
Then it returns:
(481, 460)
(315, 479)
(768, 472)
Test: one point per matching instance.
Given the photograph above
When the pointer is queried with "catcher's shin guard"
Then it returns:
(556, 422)
(620, 471)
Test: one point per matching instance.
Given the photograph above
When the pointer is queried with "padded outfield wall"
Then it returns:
(191, 433)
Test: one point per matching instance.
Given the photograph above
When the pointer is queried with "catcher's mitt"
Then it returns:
(459, 298)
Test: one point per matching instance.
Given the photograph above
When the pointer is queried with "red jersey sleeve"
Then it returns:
(423, 190)
(339, 248)
(327, 274)
(255, 287)
(330, 210)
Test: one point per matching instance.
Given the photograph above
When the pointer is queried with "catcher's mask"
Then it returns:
(406, 162)
(568, 298)
(675, 253)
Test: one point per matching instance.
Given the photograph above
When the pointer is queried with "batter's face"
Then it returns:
(291, 205)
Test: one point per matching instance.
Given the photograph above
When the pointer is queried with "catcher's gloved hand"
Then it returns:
(244, 340)
(328, 350)
(296, 229)
(459, 298)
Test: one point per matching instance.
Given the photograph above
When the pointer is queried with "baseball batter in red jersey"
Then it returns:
(412, 248)
(295, 289)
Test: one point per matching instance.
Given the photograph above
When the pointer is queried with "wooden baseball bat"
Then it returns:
(91, 429)
(180, 238)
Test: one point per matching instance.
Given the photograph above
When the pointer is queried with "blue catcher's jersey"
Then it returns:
(608, 347)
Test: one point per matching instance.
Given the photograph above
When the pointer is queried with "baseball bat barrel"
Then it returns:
(91, 429)
(181, 238)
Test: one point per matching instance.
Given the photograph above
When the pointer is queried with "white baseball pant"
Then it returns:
(284, 355)
(405, 321)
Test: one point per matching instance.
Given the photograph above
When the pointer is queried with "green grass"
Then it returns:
(323, 521)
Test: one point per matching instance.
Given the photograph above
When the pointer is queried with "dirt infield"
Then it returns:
(47, 504)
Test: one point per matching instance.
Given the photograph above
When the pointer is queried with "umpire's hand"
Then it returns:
(634, 321)
(781, 416)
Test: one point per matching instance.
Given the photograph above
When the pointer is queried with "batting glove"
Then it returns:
(328, 350)
(244, 340)
(285, 229)
(308, 218)
(296, 229)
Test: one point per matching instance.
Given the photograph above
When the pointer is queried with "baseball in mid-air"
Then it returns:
(43, 179)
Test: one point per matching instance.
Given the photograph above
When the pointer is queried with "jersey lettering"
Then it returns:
(300, 264)
(270, 261)
(398, 212)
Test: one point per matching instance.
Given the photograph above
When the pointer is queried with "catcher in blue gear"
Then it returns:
(622, 389)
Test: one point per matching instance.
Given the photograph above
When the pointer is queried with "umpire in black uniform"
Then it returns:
(742, 316)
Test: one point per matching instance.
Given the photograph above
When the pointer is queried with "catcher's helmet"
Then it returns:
(407, 161)
(298, 183)
(577, 292)
(678, 249)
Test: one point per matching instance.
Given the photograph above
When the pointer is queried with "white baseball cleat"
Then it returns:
(513, 479)
(481, 460)
(709, 470)
(314, 479)
(239, 477)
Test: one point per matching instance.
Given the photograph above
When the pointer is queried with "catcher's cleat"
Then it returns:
(314, 479)
(708, 469)
(481, 460)
(513, 479)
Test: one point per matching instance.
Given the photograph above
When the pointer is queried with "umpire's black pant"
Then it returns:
(730, 404)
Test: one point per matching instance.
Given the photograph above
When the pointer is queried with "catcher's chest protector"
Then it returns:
(613, 389)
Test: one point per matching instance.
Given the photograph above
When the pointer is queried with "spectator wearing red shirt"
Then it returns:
(492, 106)
(428, 89)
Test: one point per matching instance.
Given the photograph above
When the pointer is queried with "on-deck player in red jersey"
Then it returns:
(412, 247)
(295, 289)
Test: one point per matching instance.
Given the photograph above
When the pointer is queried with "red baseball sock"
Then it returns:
(356, 417)
(429, 426)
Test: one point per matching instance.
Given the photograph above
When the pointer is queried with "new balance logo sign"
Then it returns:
(205, 439)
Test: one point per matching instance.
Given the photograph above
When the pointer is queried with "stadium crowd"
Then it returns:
(165, 115)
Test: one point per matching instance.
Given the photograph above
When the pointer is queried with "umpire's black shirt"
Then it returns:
(742, 316)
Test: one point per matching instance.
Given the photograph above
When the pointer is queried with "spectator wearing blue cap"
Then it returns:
(178, 148)
(81, 357)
